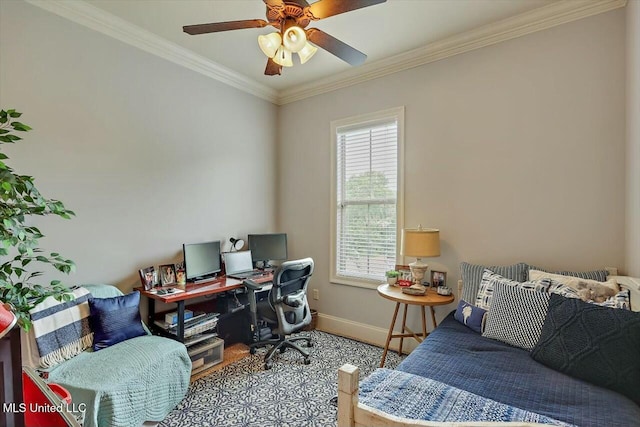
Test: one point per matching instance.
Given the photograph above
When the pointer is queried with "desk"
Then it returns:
(192, 291)
(430, 299)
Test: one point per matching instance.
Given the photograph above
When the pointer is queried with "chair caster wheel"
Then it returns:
(252, 350)
(309, 344)
(268, 365)
(307, 361)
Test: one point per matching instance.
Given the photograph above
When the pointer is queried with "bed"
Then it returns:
(457, 377)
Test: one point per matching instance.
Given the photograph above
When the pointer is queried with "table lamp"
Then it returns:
(420, 243)
(7, 320)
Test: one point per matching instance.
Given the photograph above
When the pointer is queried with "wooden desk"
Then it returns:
(192, 291)
(430, 299)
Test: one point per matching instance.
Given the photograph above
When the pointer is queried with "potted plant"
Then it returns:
(392, 277)
(19, 251)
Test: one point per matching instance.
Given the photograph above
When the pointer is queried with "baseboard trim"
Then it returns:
(362, 332)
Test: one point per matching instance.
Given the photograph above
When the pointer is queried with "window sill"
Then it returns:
(358, 283)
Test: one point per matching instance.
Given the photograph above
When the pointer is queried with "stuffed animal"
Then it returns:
(593, 292)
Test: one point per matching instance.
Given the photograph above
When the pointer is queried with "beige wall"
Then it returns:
(514, 151)
(148, 154)
(633, 139)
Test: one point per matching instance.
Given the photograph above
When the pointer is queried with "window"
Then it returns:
(366, 196)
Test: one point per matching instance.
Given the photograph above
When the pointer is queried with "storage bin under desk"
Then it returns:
(206, 354)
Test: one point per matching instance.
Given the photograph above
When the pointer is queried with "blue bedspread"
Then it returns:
(420, 398)
(455, 355)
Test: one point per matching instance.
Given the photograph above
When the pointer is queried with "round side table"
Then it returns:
(430, 299)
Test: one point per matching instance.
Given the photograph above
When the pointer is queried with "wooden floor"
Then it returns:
(232, 354)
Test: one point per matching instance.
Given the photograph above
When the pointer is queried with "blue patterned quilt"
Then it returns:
(459, 357)
(420, 398)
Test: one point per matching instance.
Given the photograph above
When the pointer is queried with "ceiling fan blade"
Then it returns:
(224, 26)
(333, 45)
(272, 68)
(274, 3)
(302, 3)
(326, 8)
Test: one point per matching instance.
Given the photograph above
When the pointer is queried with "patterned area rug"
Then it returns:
(290, 394)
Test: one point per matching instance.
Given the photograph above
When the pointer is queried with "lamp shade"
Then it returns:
(283, 57)
(420, 242)
(294, 39)
(307, 52)
(7, 320)
(270, 43)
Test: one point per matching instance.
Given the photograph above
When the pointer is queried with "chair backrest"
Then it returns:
(288, 296)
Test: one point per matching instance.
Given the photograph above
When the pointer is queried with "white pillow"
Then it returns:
(587, 289)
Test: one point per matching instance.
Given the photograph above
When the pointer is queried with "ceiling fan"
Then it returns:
(290, 18)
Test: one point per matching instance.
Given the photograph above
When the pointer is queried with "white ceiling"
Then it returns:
(380, 31)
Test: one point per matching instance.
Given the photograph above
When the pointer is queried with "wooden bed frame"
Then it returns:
(353, 414)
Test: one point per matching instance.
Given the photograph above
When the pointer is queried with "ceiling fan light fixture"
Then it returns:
(307, 52)
(283, 57)
(294, 39)
(270, 43)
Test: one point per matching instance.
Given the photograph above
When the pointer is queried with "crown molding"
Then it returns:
(549, 16)
(554, 14)
(96, 19)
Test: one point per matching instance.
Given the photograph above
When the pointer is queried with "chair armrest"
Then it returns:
(254, 286)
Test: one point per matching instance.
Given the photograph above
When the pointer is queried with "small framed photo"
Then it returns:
(438, 278)
(167, 274)
(148, 278)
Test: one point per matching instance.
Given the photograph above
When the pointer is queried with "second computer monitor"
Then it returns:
(268, 247)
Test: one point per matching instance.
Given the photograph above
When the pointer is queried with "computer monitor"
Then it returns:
(268, 247)
(201, 260)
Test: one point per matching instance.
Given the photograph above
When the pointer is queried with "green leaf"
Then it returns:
(20, 126)
(14, 114)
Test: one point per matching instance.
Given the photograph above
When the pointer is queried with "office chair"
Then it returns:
(285, 310)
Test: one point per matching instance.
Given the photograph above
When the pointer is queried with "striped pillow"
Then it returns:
(597, 275)
(472, 276)
(516, 316)
(489, 280)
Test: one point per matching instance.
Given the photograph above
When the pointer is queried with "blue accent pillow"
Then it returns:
(470, 315)
(114, 320)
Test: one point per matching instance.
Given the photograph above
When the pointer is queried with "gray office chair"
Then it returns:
(285, 310)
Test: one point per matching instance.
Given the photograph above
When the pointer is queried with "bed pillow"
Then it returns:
(597, 275)
(472, 276)
(470, 316)
(516, 316)
(620, 300)
(592, 343)
(489, 279)
(589, 290)
(114, 320)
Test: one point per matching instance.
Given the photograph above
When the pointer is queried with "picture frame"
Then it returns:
(167, 274)
(438, 278)
(148, 278)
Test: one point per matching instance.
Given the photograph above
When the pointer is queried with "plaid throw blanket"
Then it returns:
(61, 328)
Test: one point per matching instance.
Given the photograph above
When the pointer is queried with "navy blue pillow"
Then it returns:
(597, 344)
(470, 315)
(114, 320)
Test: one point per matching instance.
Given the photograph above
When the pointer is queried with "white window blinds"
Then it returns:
(367, 195)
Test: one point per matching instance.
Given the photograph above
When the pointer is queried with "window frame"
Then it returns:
(356, 122)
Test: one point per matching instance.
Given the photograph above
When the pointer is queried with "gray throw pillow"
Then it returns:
(472, 276)
(516, 316)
